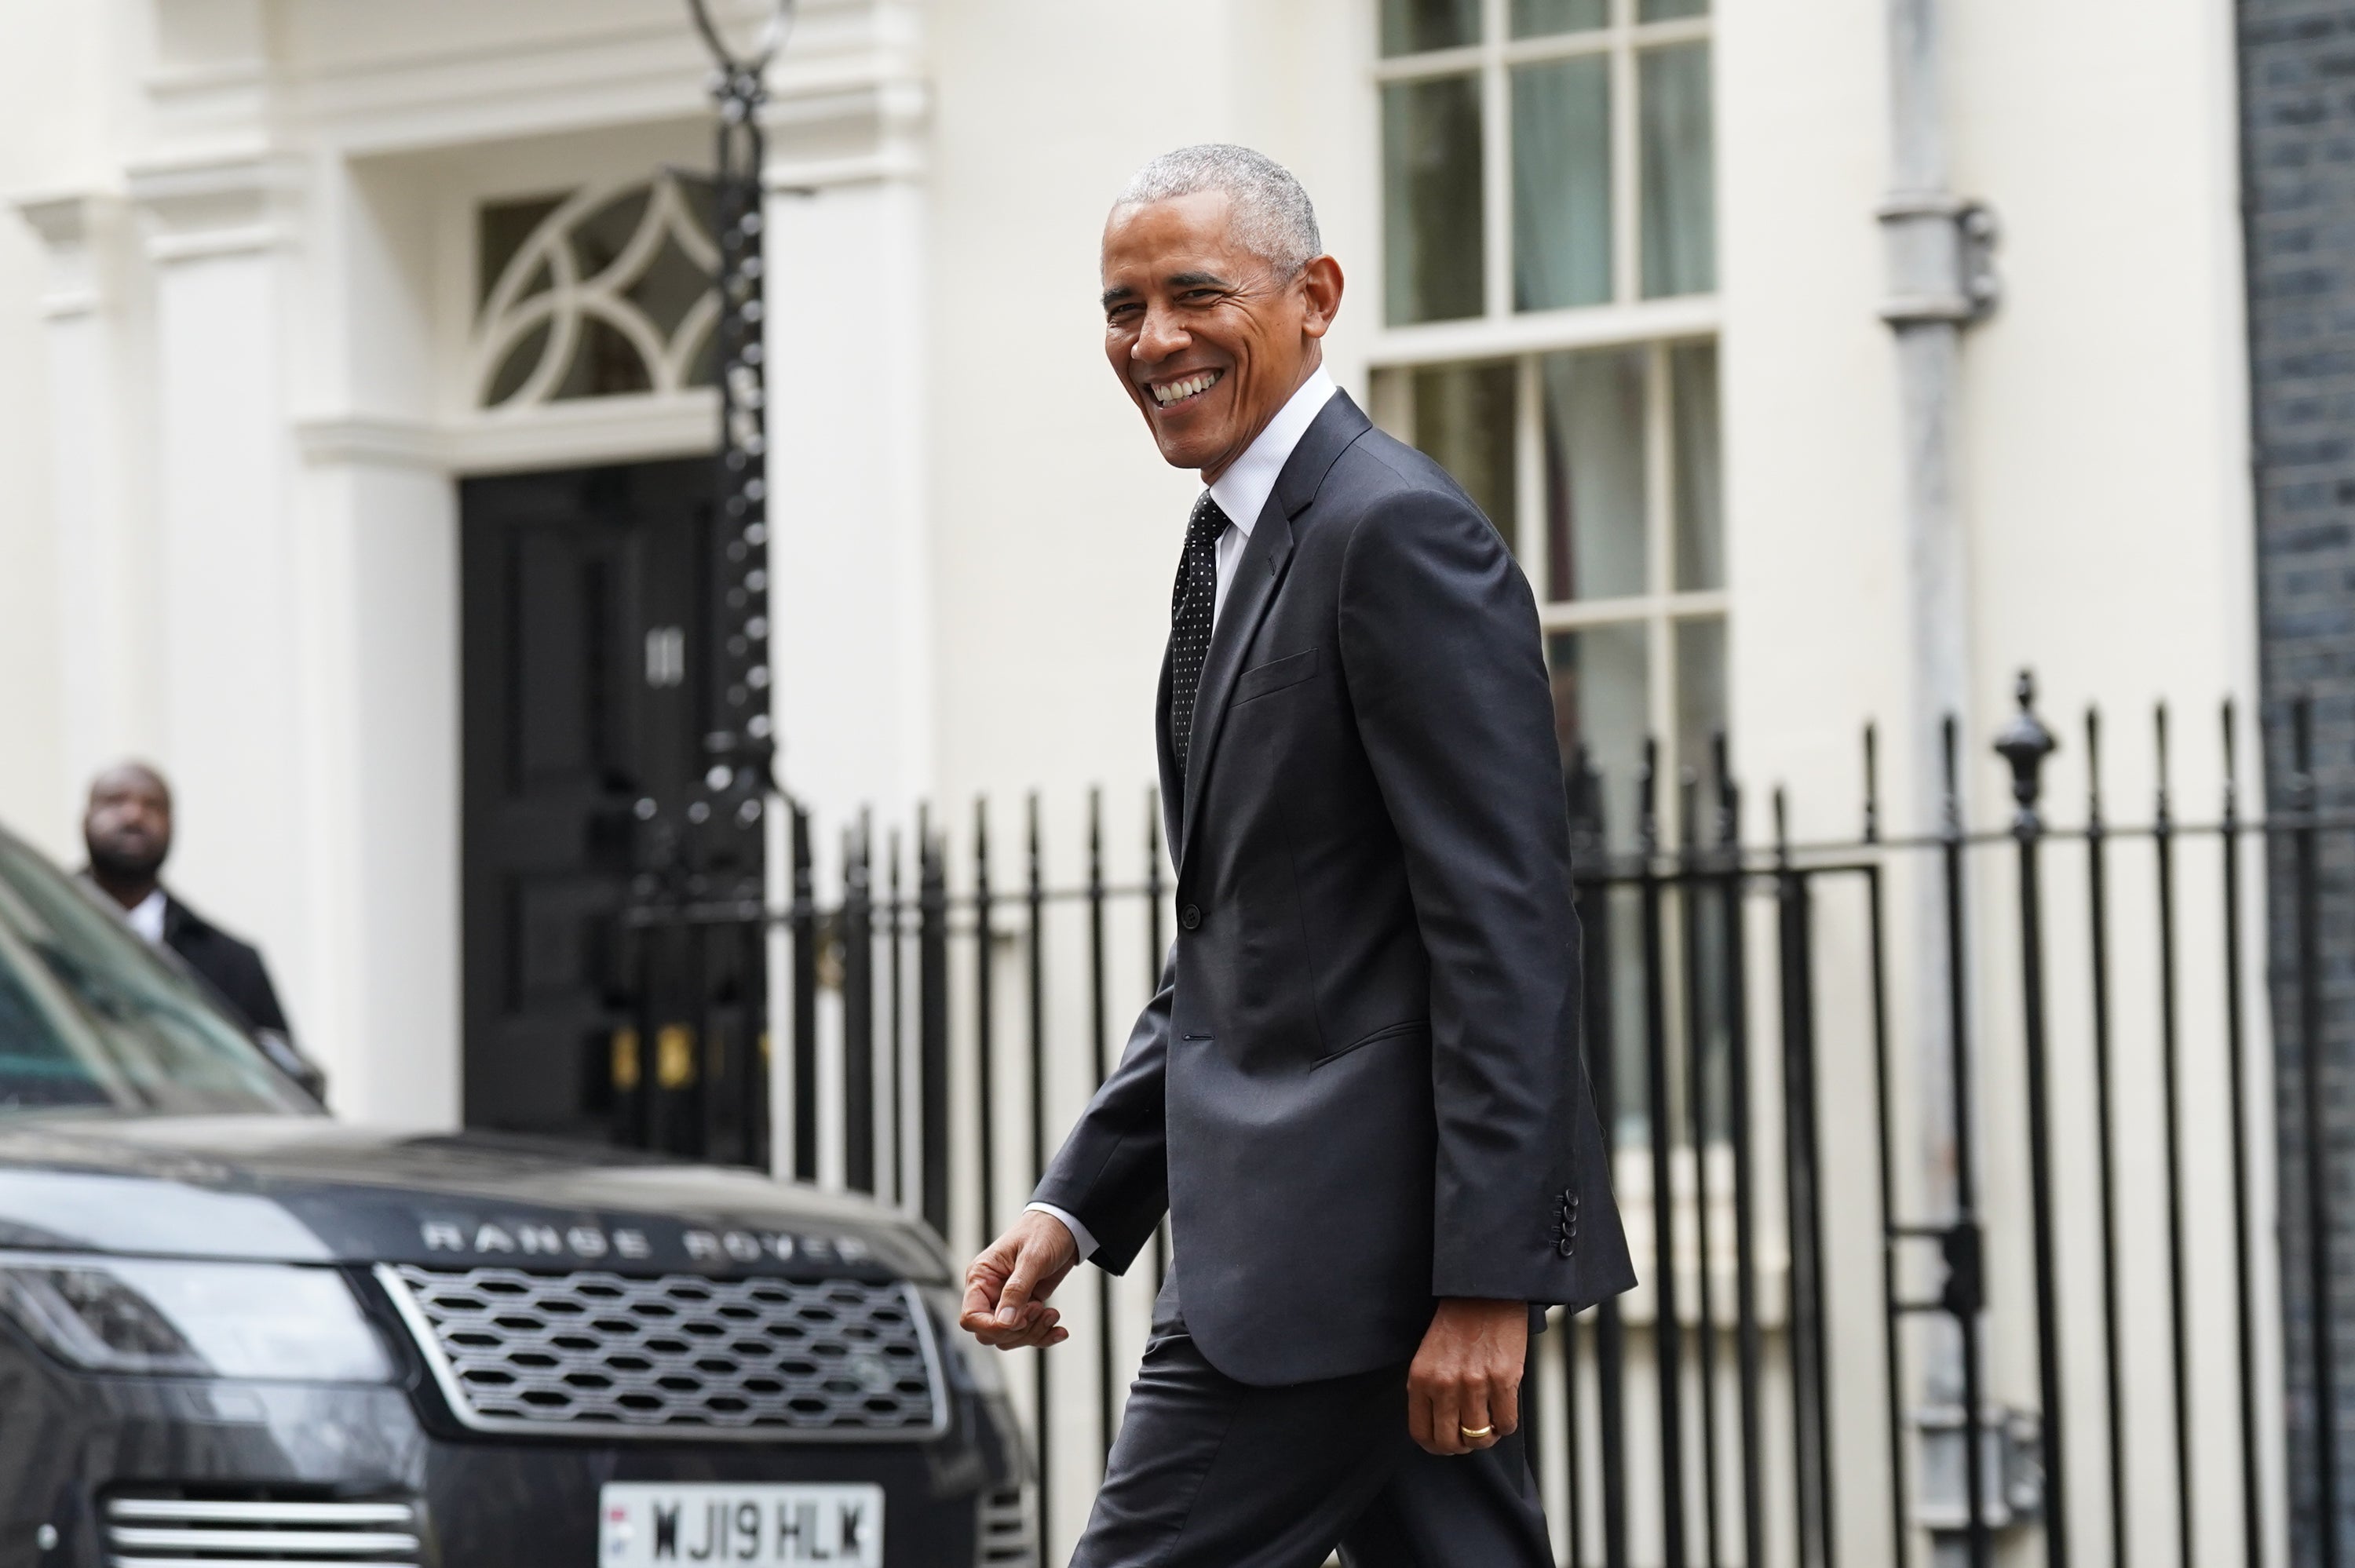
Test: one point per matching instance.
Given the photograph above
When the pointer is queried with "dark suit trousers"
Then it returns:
(1210, 1473)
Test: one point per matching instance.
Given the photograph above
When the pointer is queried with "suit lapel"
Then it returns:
(1257, 576)
(1172, 819)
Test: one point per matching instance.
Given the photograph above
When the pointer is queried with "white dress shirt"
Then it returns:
(146, 917)
(1241, 494)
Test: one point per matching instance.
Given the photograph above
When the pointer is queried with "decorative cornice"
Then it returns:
(557, 435)
(859, 133)
(214, 207)
(76, 227)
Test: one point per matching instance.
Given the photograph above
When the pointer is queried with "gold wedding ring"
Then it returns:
(1474, 1434)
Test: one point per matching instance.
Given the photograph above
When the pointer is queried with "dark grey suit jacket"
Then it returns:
(1359, 1088)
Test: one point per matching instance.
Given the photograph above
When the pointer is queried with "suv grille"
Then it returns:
(675, 1356)
(174, 1532)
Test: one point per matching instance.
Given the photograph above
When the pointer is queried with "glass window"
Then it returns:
(1699, 483)
(1435, 248)
(1561, 183)
(1700, 702)
(1550, 167)
(1586, 221)
(597, 293)
(1535, 18)
(1463, 416)
(1595, 493)
(1603, 702)
(1680, 173)
(1411, 26)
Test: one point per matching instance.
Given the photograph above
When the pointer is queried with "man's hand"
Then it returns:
(1006, 1288)
(1467, 1375)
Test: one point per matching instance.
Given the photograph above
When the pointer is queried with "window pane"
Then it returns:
(1602, 697)
(1432, 247)
(1561, 184)
(1602, 700)
(1668, 10)
(1594, 474)
(1680, 173)
(1700, 493)
(1410, 26)
(501, 228)
(1701, 705)
(1533, 18)
(1464, 418)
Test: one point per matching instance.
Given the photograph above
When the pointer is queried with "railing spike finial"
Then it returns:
(2092, 764)
(2159, 725)
(1648, 816)
(1729, 793)
(1950, 801)
(2231, 760)
(1871, 782)
(2025, 743)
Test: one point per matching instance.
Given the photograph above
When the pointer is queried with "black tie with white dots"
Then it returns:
(1193, 606)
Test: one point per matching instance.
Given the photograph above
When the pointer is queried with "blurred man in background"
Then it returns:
(128, 831)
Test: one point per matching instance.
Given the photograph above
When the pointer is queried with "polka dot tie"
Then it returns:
(1193, 605)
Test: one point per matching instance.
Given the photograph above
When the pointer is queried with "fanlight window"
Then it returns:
(599, 293)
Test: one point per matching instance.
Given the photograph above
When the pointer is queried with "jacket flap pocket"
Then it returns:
(1387, 1032)
(1277, 673)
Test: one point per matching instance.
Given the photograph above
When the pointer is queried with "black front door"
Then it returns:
(588, 613)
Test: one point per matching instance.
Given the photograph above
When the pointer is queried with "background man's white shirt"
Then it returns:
(146, 917)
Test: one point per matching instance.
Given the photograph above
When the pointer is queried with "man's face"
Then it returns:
(129, 828)
(1209, 338)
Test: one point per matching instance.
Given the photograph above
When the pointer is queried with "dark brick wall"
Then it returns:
(2297, 77)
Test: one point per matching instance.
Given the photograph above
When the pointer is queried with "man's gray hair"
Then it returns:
(1273, 215)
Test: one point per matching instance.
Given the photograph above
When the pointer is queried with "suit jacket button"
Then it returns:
(1191, 917)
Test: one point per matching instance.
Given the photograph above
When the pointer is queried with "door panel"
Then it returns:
(587, 609)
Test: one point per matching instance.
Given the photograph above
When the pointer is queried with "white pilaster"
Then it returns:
(107, 648)
(847, 301)
(228, 557)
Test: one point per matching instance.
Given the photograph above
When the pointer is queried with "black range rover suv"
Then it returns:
(234, 1330)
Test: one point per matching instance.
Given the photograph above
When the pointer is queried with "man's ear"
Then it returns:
(1320, 285)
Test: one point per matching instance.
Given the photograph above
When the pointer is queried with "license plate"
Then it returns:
(646, 1522)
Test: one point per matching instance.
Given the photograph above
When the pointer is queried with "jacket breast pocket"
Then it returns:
(1277, 673)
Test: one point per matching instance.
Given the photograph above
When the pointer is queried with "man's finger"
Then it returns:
(1505, 1406)
(1045, 1329)
(1016, 1295)
(1446, 1418)
(1418, 1415)
(980, 1294)
(1473, 1415)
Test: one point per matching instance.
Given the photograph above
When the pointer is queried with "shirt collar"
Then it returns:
(1242, 490)
(146, 917)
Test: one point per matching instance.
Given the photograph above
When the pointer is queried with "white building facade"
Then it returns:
(292, 277)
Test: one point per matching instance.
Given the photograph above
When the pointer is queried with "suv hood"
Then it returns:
(310, 1189)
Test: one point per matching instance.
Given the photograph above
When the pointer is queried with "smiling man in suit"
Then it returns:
(1357, 1094)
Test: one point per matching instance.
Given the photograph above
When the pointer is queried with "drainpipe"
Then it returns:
(1941, 279)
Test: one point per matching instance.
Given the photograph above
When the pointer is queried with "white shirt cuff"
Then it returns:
(1072, 1224)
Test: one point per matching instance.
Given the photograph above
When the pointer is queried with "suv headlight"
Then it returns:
(264, 1320)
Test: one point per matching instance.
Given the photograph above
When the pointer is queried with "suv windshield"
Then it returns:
(90, 1018)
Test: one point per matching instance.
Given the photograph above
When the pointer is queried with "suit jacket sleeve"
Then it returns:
(1113, 1172)
(1445, 669)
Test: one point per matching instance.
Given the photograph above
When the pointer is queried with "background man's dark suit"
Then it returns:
(231, 967)
(1359, 1089)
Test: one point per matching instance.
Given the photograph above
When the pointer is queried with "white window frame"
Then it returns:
(1655, 326)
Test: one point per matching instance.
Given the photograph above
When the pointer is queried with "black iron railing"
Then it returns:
(1860, 1094)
